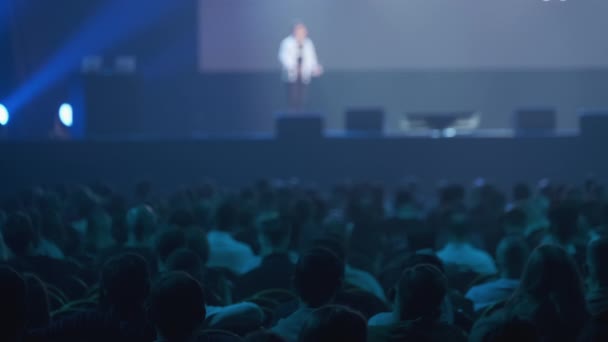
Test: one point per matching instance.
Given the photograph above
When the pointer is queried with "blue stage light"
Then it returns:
(66, 114)
(4, 115)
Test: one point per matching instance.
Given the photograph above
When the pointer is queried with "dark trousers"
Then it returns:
(296, 95)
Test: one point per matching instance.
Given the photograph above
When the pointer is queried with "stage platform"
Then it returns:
(233, 161)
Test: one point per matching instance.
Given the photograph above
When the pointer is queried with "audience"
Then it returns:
(121, 314)
(334, 323)
(225, 250)
(318, 276)
(550, 296)
(459, 251)
(77, 263)
(276, 268)
(13, 292)
(177, 307)
(511, 256)
(420, 295)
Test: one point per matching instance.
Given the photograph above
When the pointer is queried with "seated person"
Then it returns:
(420, 294)
(242, 316)
(459, 251)
(13, 295)
(21, 239)
(225, 250)
(276, 269)
(511, 256)
(177, 307)
(121, 316)
(453, 305)
(597, 264)
(318, 277)
(334, 323)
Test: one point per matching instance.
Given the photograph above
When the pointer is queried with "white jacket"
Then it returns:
(288, 57)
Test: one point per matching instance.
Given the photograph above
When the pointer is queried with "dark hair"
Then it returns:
(597, 261)
(37, 302)
(421, 291)
(318, 276)
(196, 240)
(513, 329)
(551, 291)
(13, 309)
(511, 254)
(125, 281)
(19, 233)
(334, 323)
(264, 336)
(182, 218)
(168, 242)
(515, 217)
(142, 222)
(521, 191)
(177, 305)
(457, 222)
(423, 256)
(564, 220)
(227, 215)
(184, 259)
(274, 228)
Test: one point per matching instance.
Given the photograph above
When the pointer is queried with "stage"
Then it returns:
(232, 162)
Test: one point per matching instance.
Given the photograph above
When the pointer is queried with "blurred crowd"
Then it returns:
(289, 261)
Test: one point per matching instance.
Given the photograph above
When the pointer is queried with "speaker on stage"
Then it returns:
(535, 121)
(594, 124)
(367, 121)
(299, 126)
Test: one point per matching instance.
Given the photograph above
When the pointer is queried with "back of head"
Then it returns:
(458, 224)
(597, 261)
(196, 241)
(552, 284)
(512, 330)
(273, 231)
(19, 234)
(13, 305)
(141, 223)
(227, 215)
(511, 256)
(521, 192)
(564, 218)
(38, 314)
(177, 306)
(318, 276)
(423, 257)
(421, 290)
(264, 336)
(514, 221)
(334, 323)
(185, 260)
(169, 241)
(125, 282)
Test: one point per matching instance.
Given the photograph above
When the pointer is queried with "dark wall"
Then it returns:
(238, 103)
(326, 161)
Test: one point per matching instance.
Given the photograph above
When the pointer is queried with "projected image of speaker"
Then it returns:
(594, 124)
(531, 122)
(299, 126)
(364, 121)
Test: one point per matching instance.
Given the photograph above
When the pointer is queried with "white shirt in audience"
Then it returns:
(492, 292)
(466, 255)
(225, 251)
(289, 327)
